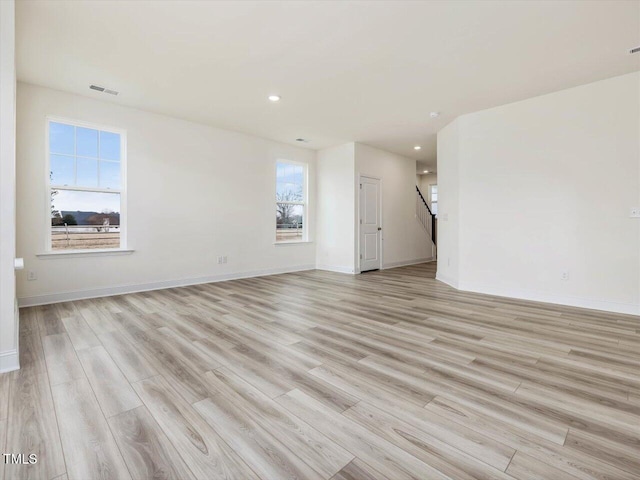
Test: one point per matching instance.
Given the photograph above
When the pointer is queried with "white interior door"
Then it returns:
(370, 224)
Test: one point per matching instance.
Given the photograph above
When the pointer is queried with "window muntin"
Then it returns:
(86, 172)
(291, 202)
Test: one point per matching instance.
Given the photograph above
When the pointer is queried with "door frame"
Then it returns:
(357, 242)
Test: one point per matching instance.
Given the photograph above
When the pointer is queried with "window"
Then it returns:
(86, 187)
(434, 199)
(291, 202)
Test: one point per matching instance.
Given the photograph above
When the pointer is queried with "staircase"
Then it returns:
(425, 217)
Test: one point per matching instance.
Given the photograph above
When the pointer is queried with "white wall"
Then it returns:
(545, 186)
(336, 209)
(8, 311)
(448, 203)
(217, 187)
(404, 240)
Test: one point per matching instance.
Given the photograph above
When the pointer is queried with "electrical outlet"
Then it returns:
(224, 259)
(31, 276)
(220, 260)
(565, 275)
(635, 212)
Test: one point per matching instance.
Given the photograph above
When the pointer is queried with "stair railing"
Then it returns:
(425, 216)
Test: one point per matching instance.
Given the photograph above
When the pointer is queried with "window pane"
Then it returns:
(86, 142)
(288, 177)
(295, 191)
(289, 182)
(298, 175)
(288, 192)
(434, 208)
(87, 172)
(92, 220)
(61, 138)
(289, 222)
(63, 170)
(109, 146)
(109, 174)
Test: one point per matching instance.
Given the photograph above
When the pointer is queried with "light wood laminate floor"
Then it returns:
(317, 375)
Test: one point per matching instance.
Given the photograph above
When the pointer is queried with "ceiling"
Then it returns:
(365, 71)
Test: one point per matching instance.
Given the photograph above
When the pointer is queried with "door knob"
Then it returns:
(379, 228)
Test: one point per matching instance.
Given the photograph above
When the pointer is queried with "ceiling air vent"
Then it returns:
(103, 90)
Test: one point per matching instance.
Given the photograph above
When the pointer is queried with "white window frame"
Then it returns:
(122, 191)
(304, 202)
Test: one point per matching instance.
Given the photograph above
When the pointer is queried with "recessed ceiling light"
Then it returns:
(434, 114)
(274, 98)
(417, 147)
(425, 171)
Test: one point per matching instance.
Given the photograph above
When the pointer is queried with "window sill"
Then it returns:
(301, 242)
(98, 252)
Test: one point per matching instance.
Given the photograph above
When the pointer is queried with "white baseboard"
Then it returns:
(143, 287)
(548, 297)
(405, 263)
(9, 361)
(333, 268)
(448, 280)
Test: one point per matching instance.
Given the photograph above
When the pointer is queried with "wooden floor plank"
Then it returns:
(32, 427)
(62, 361)
(526, 440)
(32, 360)
(5, 389)
(358, 470)
(178, 360)
(524, 467)
(146, 449)
(127, 356)
(95, 313)
(622, 456)
(49, 322)
(314, 448)
(454, 462)
(617, 415)
(382, 455)
(260, 449)
(206, 454)
(80, 333)
(113, 391)
(88, 444)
